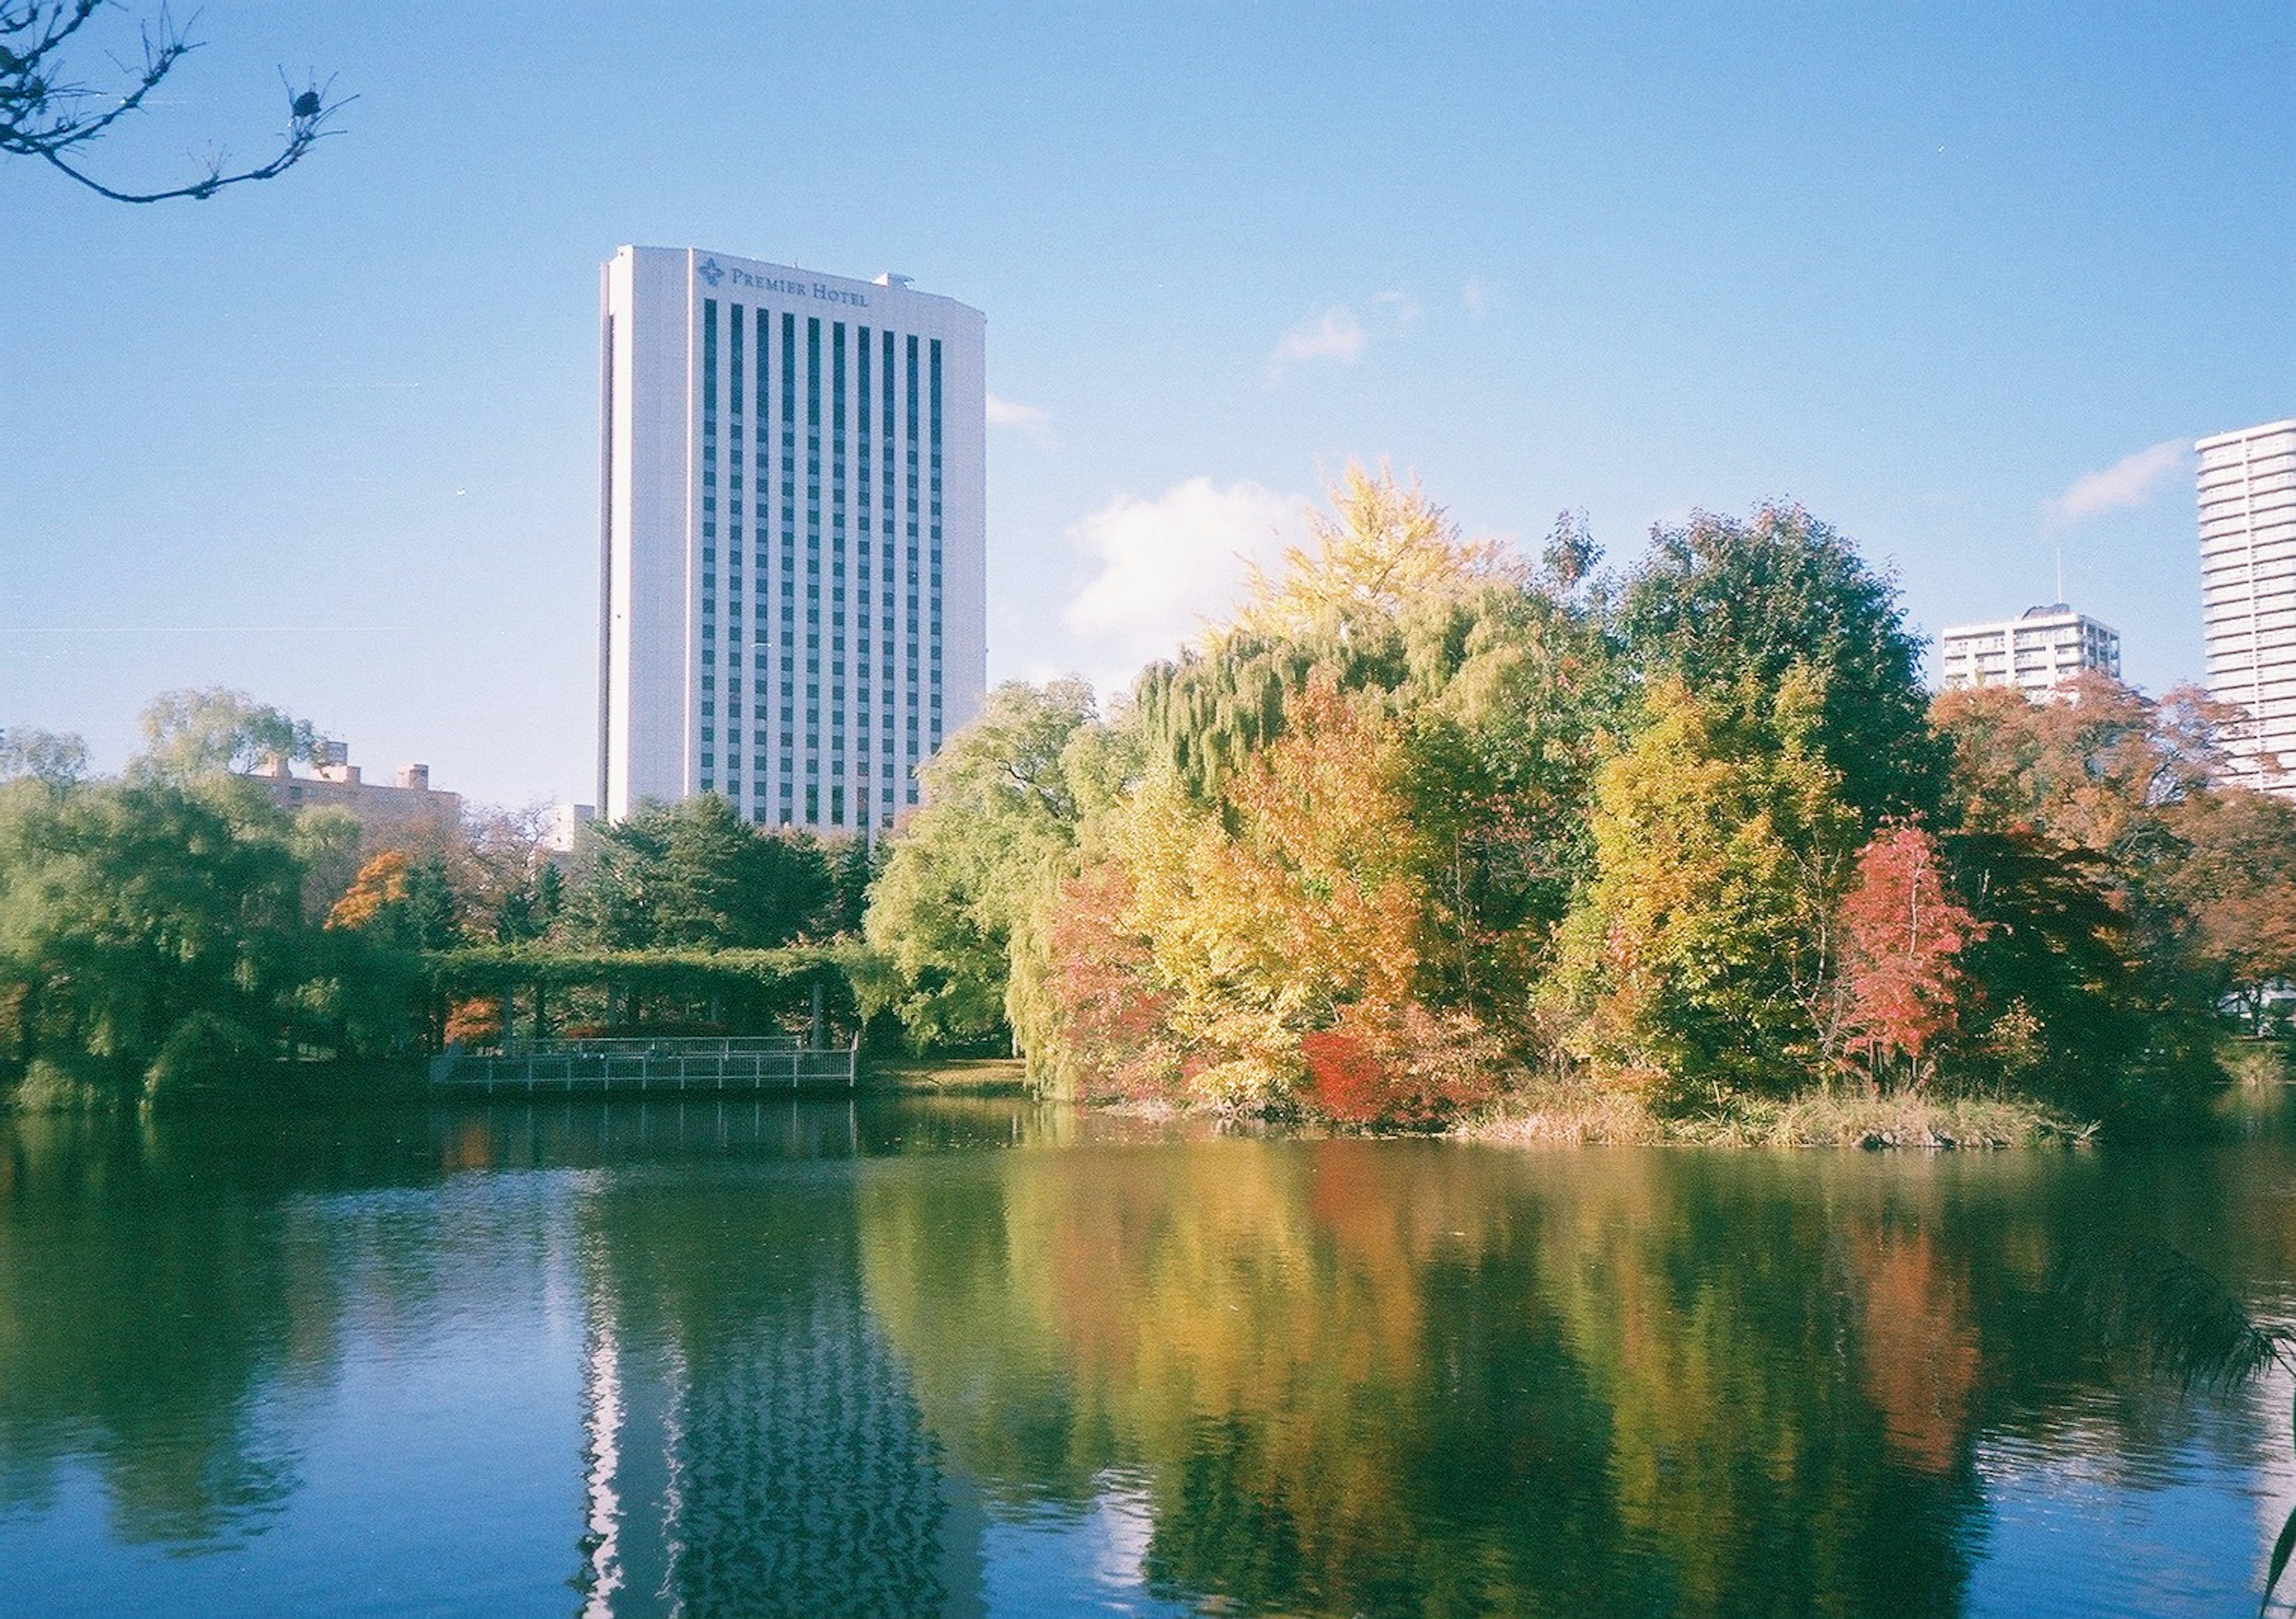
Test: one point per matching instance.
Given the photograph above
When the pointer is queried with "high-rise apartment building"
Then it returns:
(2036, 651)
(2248, 592)
(792, 568)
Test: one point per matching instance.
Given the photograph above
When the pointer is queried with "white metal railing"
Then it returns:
(644, 1065)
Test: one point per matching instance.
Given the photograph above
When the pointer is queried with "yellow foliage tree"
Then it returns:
(1382, 548)
(1303, 892)
(1702, 950)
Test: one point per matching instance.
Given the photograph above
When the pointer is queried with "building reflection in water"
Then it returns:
(750, 1444)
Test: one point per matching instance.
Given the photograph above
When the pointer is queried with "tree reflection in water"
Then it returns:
(1386, 1376)
(839, 1359)
(141, 1311)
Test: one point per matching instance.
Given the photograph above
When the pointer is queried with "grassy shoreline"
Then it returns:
(1567, 1117)
(1562, 1114)
(945, 1075)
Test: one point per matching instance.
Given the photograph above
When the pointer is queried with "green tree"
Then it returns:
(1700, 953)
(854, 865)
(515, 922)
(970, 865)
(55, 757)
(703, 895)
(434, 915)
(696, 876)
(1726, 605)
(2059, 1010)
(549, 894)
(135, 917)
(190, 735)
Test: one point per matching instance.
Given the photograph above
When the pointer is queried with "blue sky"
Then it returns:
(1952, 278)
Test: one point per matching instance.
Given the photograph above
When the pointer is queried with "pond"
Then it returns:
(945, 1357)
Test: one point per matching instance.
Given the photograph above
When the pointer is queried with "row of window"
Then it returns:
(922, 663)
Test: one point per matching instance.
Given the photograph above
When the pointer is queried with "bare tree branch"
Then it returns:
(47, 115)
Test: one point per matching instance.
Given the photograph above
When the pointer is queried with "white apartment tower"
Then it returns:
(2248, 592)
(792, 572)
(2036, 651)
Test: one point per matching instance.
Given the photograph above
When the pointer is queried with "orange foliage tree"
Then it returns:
(2235, 887)
(1300, 891)
(1903, 931)
(381, 885)
(1108, 1017)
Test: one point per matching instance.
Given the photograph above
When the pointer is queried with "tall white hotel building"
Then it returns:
(792, 573)
(2248, 591)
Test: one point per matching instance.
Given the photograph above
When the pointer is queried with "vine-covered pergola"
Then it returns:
(742, 991)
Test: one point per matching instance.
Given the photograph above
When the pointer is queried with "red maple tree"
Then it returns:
(1902, 931)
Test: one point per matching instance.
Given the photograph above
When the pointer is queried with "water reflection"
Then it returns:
(961, 1358)
(1392, 1377)
(750, 1444)
(136, 1321)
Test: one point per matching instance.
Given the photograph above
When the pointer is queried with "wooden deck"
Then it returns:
(643, 1066)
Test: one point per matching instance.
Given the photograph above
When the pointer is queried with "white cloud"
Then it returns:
(2129, 481)
(1478, 295)
(1166, 565)
(1404, 306)
(1335, 335)
(1031, 420)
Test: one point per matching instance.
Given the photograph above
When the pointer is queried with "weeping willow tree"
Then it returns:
(1386, 598)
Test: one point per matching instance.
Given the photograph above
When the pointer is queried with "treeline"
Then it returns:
(173, 927)
(1423, 821)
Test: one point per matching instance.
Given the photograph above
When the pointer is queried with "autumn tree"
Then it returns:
(2069, 844)
(1903, 932)
(404, 903)
(1357, 817)
(1381, 549)
(1497, 677)
(2095, 765)
(2233, 882)
(1700, 952)
(373, 894)
(1300, 902)
(1091, 1015)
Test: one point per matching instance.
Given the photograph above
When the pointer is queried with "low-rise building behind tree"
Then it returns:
(390, 814)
